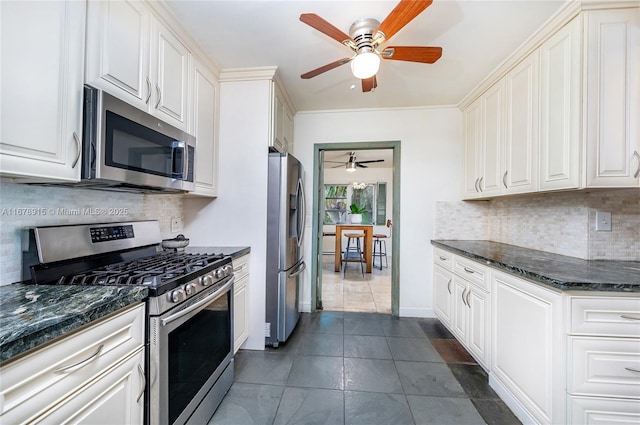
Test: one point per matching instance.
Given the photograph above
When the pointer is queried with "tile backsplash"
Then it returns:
(29, 205)
(563, 223)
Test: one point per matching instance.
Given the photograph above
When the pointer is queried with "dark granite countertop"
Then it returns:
(554, 270)
(31, 315)
(232, 251)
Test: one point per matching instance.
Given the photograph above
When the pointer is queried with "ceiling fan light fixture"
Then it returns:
(365, 65)
(351, 166)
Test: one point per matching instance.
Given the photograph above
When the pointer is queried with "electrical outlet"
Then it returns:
(603, 221)
(176, 224)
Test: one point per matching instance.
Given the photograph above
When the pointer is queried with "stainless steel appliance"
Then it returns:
(125, 148)
(285, 233)
(190, 307)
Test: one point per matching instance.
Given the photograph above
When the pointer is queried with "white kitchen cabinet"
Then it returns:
(134, 56)
(472, 150)
(240, 301)
(603, 355)
(204, 127)
(462, 301)
(282, 121)
(520, 168)
(527, 347)
(560, 108)
(612, 90)
(42, 89)
(99, 367)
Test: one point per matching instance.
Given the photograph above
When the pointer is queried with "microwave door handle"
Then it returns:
(178, 170)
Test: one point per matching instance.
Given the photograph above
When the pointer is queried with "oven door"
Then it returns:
(189, 350)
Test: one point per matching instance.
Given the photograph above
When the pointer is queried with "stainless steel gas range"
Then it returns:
(189, 364)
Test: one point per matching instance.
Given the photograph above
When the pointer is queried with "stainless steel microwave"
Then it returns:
(125, 148)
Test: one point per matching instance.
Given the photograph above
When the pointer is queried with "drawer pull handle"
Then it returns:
(144, 383)
(626, 316)
(148, 91)
(159, 93)
(630, 369)
(504, 179)
(449, 286)
(468, 293)
(468, 270)
(78, 147)
(463, 294)
(66, 369)
(443, 258)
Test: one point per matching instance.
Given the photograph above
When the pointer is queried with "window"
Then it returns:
(339, 197)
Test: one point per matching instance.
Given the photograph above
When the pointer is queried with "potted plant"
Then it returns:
(356, 213)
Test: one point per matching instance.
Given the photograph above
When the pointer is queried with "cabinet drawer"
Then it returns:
(443, 258)
(38, 380)
(473, 272)
(241, 283)
(602, 411)
(241, 267)
(604, 366)
(611, 316)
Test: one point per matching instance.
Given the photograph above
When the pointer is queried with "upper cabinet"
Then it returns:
(568, 115)
(134, 56)
(205, 117)
(282, 121)
(613, 98)
(560, 110)
(42, 89)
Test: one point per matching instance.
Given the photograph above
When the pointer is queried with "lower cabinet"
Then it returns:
(527, 335)
(443, 294)
(95, 375)
(240, 301)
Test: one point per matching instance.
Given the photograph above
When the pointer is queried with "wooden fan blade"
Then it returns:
(368, 84)
(412, 53)
(325, 68)
(324, 27)
(400, 16)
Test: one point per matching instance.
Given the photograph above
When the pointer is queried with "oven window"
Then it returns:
(132, 146)
(196, 349)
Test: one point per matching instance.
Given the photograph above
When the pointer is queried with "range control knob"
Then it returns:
(190, 289)
(178, 295)
(206, 280)
(219, 273)
(228, 269)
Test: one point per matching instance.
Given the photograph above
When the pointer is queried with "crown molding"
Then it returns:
(248, 74)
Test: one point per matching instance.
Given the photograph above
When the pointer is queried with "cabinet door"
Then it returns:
(472, 150)
(521, 139)
(278, 142)
(118, 50)
(460, 321)
(613, 98)
(527, 340)
(288, 129)
(560, 108)
(240, 314)
(478, 337)
(205, 128)
(442, 294)
(42, 89)
(492, 135)
(116, 397)
(170, 75)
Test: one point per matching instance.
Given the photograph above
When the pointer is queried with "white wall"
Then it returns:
(431, 152)
(238, 216)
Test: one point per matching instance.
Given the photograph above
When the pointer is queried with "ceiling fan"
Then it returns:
(366, 35)
(352, 164)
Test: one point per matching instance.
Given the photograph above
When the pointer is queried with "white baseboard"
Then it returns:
(416, 312)
(304, 307)
(513, 403)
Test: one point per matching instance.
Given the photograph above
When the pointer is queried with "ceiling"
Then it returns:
(475, 35)
(361, 155)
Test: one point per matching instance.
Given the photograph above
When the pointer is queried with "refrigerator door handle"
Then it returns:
(301, 212)
(298, 270)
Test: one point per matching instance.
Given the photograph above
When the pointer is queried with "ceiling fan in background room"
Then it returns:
(351, 164)
(366, 35)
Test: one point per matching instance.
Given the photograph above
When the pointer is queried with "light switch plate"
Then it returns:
(603, 221)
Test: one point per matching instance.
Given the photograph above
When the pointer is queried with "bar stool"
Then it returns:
(354, 255)
(380, 245)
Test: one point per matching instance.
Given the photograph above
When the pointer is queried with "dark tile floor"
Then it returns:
(362, 368)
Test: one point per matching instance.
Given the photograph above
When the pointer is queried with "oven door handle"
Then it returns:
(217, 294)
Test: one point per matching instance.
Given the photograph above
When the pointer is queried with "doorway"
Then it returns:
(324, 264)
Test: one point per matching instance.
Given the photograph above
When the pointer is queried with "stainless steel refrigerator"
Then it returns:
(285, 232)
